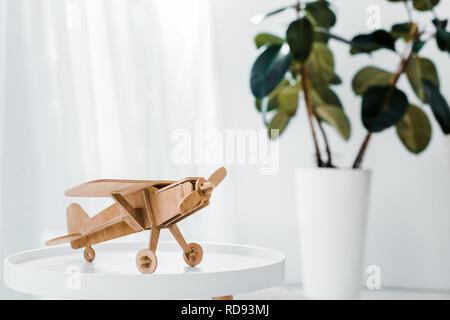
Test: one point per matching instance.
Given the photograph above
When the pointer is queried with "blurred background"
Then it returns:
(94, 89)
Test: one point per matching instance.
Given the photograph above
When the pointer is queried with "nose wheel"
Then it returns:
(89, 254)
(146, 261)
(194, 254)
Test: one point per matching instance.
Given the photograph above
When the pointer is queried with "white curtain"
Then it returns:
(93, 89)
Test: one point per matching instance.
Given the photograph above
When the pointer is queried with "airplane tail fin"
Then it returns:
(76, 218)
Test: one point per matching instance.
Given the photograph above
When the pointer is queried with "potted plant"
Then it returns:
(298, 69)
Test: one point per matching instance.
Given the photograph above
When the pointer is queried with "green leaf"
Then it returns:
(401, 30)
(294, 69)
(439, 106)
(328, 108)
(443, 40)
(336, 117)
(373, 41)
(424, 5)
(258, 104)
(369, 76)
(335, 79)
(288, 100)
(268, 70)
(382, 107)
(325, 96)
(272, 97)
(279, 121)
(320, 12)
(300, 36)
(320, 65)
(417, 45)
(440, 24)
(267, 39)
(419, 69)
(320, 37)
(442, 36)
(414, 129)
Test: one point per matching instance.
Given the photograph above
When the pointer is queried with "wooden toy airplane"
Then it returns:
(139, 205)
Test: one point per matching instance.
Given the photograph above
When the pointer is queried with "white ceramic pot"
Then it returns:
(332, 206)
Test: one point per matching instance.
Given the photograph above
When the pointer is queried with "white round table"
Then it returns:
(61, 272)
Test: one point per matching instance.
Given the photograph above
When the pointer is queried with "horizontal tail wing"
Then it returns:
(63, 239)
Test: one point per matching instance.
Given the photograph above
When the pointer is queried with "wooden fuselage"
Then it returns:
(116, 221)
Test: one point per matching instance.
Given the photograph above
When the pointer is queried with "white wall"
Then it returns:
(409, 216)
(409, 213)
(93, 89)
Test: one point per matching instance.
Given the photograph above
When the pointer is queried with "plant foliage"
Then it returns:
(302, 65)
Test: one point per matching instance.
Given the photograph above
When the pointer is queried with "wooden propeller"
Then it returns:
(202, 191)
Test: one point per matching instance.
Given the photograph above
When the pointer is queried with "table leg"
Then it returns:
(223, 298)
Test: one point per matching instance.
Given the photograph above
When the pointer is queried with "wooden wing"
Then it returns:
(107, 187)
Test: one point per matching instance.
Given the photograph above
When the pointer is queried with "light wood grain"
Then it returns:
(129, 213)
(63, 239)
(139, 205)
(106, 187)
(77, 218)
(165, 204)
(178, 236)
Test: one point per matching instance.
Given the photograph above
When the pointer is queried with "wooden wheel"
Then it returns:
(89, 254)
(194, 254)
(146, 261)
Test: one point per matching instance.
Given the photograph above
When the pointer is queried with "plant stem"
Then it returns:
(307, 94)
(334, 36)
(393, 81)
(329, 162)
(362, 151)
(297, 7)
